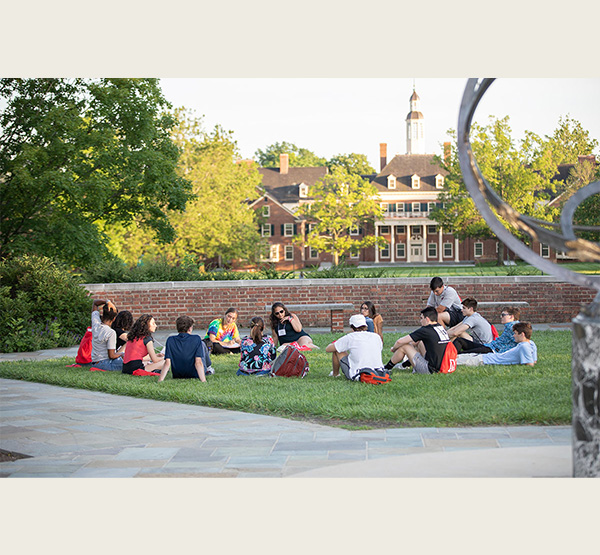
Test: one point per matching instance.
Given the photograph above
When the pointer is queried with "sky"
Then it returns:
(344, 115)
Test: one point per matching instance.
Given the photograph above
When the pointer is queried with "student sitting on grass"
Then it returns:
(140, 344)
(505, 341)
(223, 336)
(474, 326)
(184, 353)
(524, 353)
(122, 325)
(424, 347)
(355, 350)
(287, 327)
(257, 351)
(105, 355)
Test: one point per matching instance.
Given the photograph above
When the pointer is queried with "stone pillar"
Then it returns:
(337, 320)
(586, 391)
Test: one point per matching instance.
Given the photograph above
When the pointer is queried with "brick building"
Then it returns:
(408, 187)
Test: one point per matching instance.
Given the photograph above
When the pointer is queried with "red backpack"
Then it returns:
(449, 361)
(84, 353)
(494, 332)
(290, 363)
(374, 376)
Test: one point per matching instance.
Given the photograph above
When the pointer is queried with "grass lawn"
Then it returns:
(488, 395)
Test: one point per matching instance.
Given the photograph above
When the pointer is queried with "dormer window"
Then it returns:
(303, 192)
(391, 182)
(439, 181)
(415, 181)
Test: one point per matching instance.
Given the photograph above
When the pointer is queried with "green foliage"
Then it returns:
(342, 270)
(41, 305)
(298, 157)
(483, 395)
(217, 221)
(355, 164)
(77, 151)
(341, 201)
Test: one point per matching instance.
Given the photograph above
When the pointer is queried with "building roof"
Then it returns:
(415, 115)
(403, 166)
(285, 187)
(414, 96)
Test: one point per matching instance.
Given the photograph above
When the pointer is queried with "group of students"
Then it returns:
(120, 344)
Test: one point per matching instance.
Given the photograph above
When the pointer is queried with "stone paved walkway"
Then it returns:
(78, 433)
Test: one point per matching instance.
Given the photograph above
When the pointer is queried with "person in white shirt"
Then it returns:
(105, 354)
(356, 350)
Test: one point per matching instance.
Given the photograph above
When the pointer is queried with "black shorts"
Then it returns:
(456, 316)
(129, 367)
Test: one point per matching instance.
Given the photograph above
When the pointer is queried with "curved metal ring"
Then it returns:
(485, 198)
(566, 216)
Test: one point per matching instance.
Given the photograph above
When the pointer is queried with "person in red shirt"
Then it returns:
(139, 344)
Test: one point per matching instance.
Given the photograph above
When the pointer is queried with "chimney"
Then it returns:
(382, 156)
(284, 162)
(447, 152)
(588, 157)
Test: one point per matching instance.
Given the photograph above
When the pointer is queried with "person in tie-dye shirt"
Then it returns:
(223, 336)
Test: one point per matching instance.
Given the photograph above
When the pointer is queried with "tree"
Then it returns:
(217, 221)
(353, 163)
(525, 184)
(341, 201)
(76, 151)
(299, 157)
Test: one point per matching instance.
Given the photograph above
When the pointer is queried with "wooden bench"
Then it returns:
(336, 311)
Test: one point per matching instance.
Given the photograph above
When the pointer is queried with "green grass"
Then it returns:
(471, 396)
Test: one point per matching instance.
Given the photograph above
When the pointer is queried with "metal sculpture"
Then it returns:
(586, 326)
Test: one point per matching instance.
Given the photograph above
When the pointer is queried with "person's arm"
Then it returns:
(97, 304)
(116, 354)
(200, 369)
(275, 337)
(458, 329)
(331, 348)
(295, 321)
(151, 352)
(165, 369)
(402, 341)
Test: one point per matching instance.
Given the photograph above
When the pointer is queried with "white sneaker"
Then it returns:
(332, 376)
(209, 371)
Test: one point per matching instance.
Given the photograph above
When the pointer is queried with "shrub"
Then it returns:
(41, 305)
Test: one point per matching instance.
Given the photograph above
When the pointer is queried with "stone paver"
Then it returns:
(87, 434)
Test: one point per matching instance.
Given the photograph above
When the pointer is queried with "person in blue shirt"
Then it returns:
(525, 351)
(185, 353)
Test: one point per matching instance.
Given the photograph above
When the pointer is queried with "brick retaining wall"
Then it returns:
(397, 299)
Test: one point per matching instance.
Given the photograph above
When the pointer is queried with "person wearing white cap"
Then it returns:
(356, 350)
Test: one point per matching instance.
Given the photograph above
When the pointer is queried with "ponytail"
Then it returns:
(257, 328)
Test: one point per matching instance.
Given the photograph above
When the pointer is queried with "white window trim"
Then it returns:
(313, 253)
(542, 246)
(386, 227)
(289, 249)
(391, 182)
(354, 230)
(274, 253)
(418, 207)
(475, 245)
(285, 230)
(398, 246)
(415, 181)
(444, 250)
(434, 255)
(265, 230)
(303, 191)
(266, 211)
(439, 181)
(387, 247)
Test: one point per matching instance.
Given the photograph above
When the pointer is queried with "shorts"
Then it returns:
(129, 367)
(109, 364)
(456, 316)
(469, 359)
(345, 368)
(420, 365)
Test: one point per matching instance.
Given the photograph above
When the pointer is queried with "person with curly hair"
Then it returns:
(139, 344)
(287, 327)
(122, 324)
(257, 351)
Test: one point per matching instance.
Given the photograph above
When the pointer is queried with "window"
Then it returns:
(274, 253)
(400, 207)
(415, 181)
(400, 229)
(416, 206)
(354, 230)
(313, 253)
(303, 192)
(288, 230)
(439, 181)
(400, 250)
(391, 182)
(432, 229)
(415, 230)
(544, 251)
(447, 250)
(431, 206)
(384, 229)
(289, 252)
(385, 251)
(384, 206)
(266, 211)
(266, 230)
(355, 255)
(432, 250)
(478, 249)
